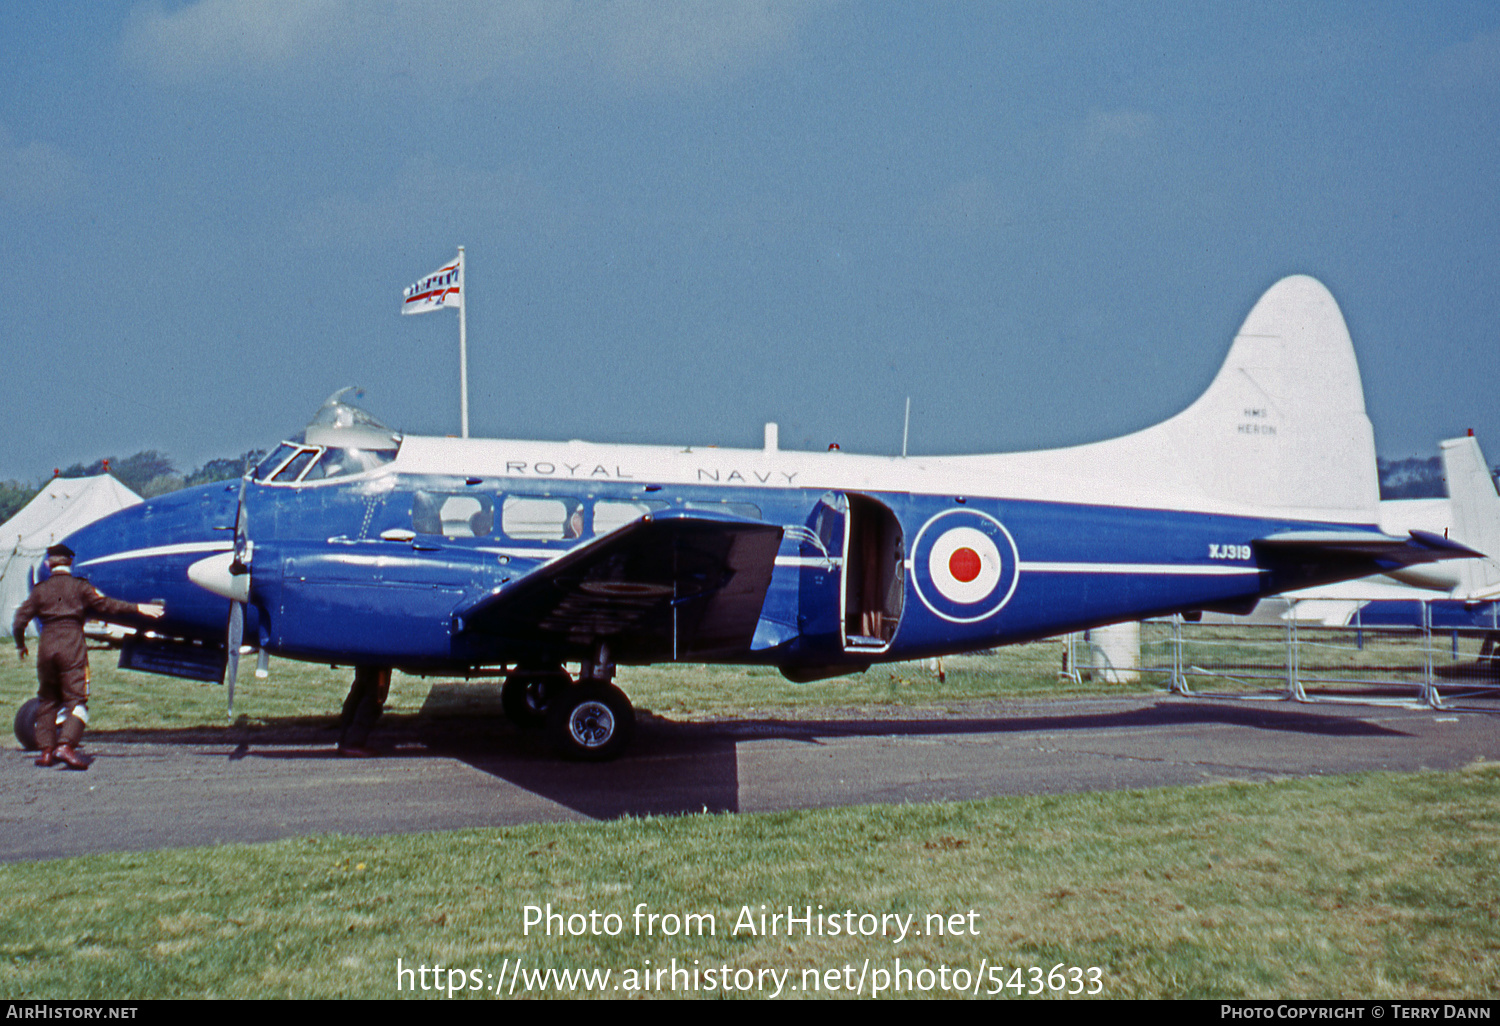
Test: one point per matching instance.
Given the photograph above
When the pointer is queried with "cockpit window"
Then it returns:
(342, 440)
(271, 463)
(347, 462)
(294, 469)
(291, 463)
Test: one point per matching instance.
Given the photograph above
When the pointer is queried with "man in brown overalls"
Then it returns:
(62, 602)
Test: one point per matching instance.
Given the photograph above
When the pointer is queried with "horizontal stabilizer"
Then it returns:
(1443, 548)
(671, 585)
(1300, 559)
(1418, 547)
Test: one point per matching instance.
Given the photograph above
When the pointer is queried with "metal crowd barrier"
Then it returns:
(1353, 663)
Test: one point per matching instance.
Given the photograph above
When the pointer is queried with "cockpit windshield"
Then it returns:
(341, 440)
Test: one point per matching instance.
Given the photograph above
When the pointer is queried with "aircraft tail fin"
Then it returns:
(1475, 509)
(1283, 424)
(1281, 430)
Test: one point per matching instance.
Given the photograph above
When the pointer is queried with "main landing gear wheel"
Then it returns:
(591, 722)
(527, 693)
(26, 723)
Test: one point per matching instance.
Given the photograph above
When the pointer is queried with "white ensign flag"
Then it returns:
(438, 291)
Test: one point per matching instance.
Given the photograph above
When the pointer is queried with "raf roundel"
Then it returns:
(964, 565)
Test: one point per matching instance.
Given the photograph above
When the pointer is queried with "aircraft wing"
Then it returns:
(681, 584)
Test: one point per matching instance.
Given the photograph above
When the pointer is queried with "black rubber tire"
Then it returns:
(591, 722)
(26, 723)
(527, 692)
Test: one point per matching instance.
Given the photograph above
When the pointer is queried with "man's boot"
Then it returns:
(47, 758)
(65, 754)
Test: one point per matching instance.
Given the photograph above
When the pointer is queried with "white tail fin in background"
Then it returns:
(1475, 508)
(1281, 431)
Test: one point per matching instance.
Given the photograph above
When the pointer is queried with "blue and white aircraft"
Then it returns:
(353, 545)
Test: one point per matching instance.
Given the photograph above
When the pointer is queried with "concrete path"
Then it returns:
(167, 789)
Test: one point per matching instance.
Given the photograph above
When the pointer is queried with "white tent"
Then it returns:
(65, 505)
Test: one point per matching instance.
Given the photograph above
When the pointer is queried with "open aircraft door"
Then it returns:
(861, 573)
(874, 575)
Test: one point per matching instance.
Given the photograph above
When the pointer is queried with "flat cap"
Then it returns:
(59, 550)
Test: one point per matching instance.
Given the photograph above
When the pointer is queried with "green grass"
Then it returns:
(125, 701)
(1371, 886)
(129, 701)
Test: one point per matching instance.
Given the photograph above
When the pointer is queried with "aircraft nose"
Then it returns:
(146, 552)
(104, 540)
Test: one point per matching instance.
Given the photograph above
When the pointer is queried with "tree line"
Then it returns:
(148, 473)
(1417, 477)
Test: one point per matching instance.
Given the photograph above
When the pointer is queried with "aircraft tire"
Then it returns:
(591, 722)
(25, 725)
(527, 693)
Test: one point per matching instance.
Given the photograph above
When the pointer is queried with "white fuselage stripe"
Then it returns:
(545, 555)
(1159, 569)
(182, 548)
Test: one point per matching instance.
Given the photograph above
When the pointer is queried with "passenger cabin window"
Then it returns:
(610, 515)
(748, 510)
(541, 518)
(452, 516)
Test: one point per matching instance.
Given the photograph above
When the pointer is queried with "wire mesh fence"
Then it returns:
(1316, 661)
(1300, 660)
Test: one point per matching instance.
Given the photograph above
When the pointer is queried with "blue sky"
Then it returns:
(1041, 221)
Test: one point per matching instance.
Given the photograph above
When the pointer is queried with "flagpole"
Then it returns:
(463, 346)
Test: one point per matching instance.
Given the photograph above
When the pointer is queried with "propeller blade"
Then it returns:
(241, 530)
(234, 637)
(234, 632)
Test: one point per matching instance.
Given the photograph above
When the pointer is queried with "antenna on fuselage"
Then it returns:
(905, 427)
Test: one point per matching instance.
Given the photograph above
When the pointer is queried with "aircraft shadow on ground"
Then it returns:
(686, 767)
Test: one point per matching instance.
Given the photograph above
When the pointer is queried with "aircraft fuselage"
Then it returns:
(375, 568)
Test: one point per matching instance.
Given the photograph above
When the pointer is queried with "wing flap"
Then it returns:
(685, 584)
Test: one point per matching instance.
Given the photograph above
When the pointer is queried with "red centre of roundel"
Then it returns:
(964, 565)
